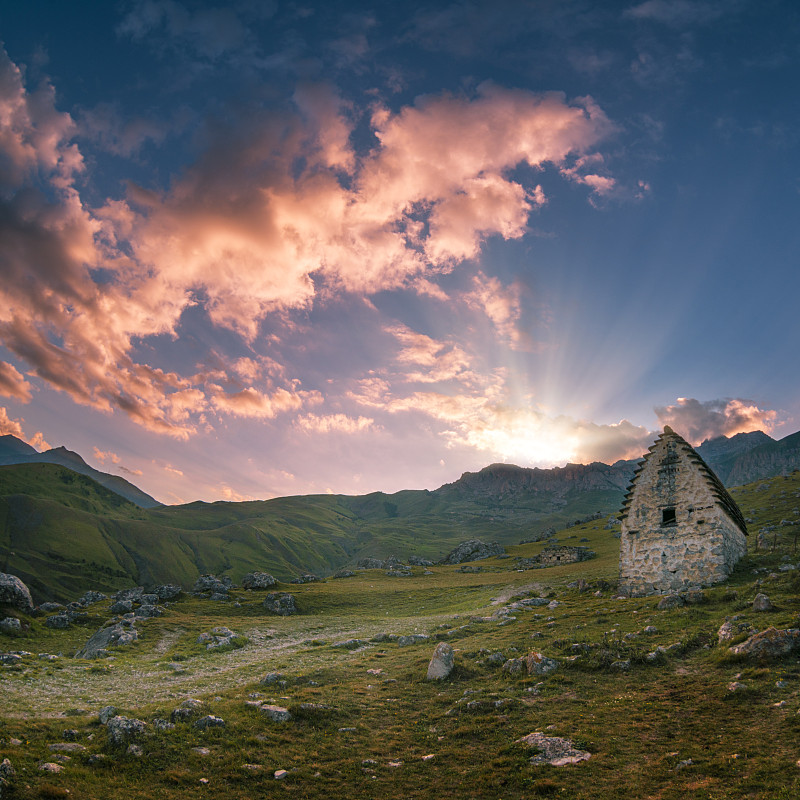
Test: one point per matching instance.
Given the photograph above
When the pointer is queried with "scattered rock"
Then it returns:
(280, 774)
(7, 776)
(472, 550)
(66, 747)
(117, 635)
(106, 713)
(213, 584)
(306, 578)
(217, 637)
(121, 607)
(553, 750)
(13, 592)
(271, 677)
(622, 665)
(162, 724)
(275, 713)
(441, 664)
(370, 563)
(769, 644)
(412, 638)
(49, 766)
(669, 601)
(91, 597)
(344, 573)
(188, 709)
(135, 750)
(681, 764)
(418, 561)
(762, 603)
(201, 751)
(166, 591)
(124, 729)
(10, 625)
(148, 610)
(736, 686)
(209, 721)
(258, 580)
(280, 603)
(694, 597)
(58, 621)
(534, 664)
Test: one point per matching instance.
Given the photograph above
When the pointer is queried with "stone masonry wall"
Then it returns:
(698, 548)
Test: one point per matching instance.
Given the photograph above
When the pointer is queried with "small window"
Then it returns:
(668, 516)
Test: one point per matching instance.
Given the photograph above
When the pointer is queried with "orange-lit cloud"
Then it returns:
(501, 304)
(13, 384)
(105, 455)
(244, 233)
(13, 427)
(698, 420)
(334, 423)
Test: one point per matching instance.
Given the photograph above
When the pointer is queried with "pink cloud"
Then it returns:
(103, 456)
(698, 420)
(245, 234)
(13, 384)
(13, 427)
(501, 304)
(334, 423)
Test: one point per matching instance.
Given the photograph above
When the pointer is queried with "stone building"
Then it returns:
(680, 527)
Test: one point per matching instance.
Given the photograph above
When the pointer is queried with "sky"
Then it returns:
(255, 249)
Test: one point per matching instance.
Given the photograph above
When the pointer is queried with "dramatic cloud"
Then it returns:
(13, 384)
(277, 211)
(13, 427)
(697, 421)
(334, 423)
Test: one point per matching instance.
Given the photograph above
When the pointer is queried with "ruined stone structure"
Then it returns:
(680, 527)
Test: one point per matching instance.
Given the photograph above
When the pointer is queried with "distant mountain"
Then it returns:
(15, 451)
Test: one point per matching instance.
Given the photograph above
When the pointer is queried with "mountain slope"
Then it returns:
(15, 451)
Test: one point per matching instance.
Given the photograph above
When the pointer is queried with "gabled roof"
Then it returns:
(718, 491)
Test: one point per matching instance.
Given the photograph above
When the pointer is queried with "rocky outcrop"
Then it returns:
(116, 635)
(473, 550)
(212, 584)
(13, 592)
(217, 637)
(258, 580)
(280, 603)
(122, 730)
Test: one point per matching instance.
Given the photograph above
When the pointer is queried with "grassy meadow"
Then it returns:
(367, 724)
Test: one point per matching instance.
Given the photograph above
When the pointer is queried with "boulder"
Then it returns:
(13, 592)
(553, 750)
(769, 644)
(418, 561)
(121, 607)
(166, 591)
(213, 584)
(7, 775)
(58, 621)
(275, 713)
(441, 664)
(258, 580)
(117, 635)
(669, 601)
(280, 603)
(370, 563)
(91, 597)
(472, 550)
(209, 721)
(306, 578)
(344, 573)
(412, 638)
(125, 729)
(188, 709)
(217, 637)
(10, 625)
(134, 593)
(762, 603)
(106, 713)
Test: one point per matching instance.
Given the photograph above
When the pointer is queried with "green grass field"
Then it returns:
(366, 723)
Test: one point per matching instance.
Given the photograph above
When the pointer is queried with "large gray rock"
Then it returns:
(166, 591)
(213, 584)
(762, 603)
(769, 644)
(10, 625)
(442, 662)
(258, 580)
(13, 592)
(7, 775)
(117, 635)
(280, 603)
(472, 550)
(91, 597)
(122, 730)
(58, 621)
(188, 709)
(534, 664)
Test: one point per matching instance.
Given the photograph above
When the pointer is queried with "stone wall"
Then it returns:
(676, 533)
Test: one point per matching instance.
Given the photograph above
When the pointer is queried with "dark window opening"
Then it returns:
(668, 516)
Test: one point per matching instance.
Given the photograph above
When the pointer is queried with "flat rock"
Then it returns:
(275, 713)
(553, 750)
